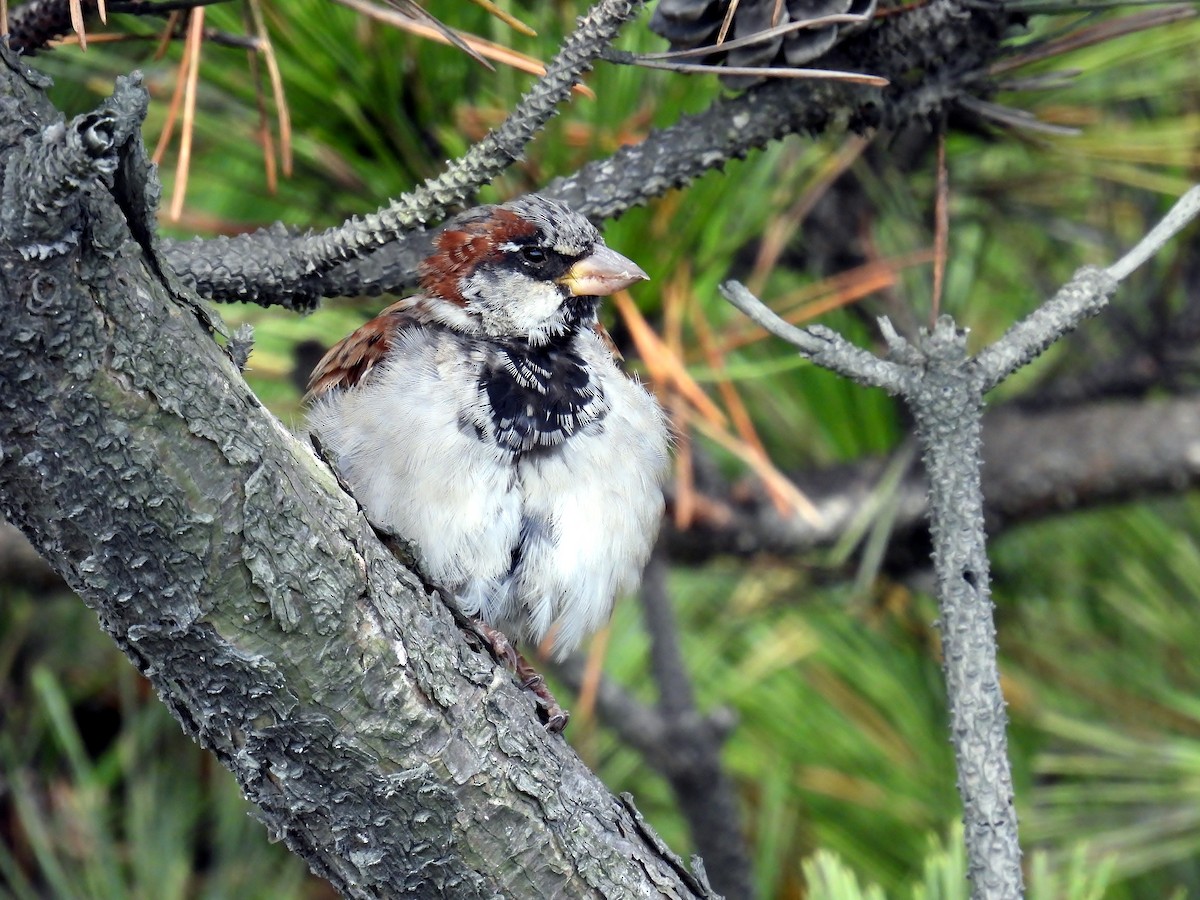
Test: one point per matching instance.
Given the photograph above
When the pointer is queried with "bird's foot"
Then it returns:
(553, 716)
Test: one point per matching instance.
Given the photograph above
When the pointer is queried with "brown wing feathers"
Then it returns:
(349, 361)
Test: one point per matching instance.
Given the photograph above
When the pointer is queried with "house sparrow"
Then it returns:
(486, 420)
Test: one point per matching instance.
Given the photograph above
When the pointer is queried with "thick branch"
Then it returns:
(947, 41)
(272, 267)
(222, 557)
(1036, 463)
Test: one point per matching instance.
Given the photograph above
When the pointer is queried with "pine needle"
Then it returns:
(183, 166)
(77, 23)
(506, 17)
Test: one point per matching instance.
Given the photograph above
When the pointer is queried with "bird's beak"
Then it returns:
(601, 273)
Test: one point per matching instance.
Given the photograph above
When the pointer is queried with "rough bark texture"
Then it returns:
(1036, 463)
(947, 403)
(934, 54)
(221, 555)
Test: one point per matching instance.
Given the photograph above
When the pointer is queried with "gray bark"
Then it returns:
(935, 56)
(220, 554)
(944, 389)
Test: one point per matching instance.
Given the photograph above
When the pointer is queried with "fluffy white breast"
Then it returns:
(533, 542)
(595, 505)
(406, 444)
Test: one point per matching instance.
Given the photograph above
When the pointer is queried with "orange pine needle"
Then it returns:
(183, 166)
(99, 37)
(165, 41)
(665, 367)
(733, 402)
(684, 511)
(589, 685)
(763, 468)
(675, 294)
(176, 103)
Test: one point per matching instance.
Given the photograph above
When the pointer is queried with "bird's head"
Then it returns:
(531, 269)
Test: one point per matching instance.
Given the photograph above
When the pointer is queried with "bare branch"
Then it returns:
(269, 267)
(952, 38)
(1082, 297)
(822, 346)
(220, 554)
(944, 390)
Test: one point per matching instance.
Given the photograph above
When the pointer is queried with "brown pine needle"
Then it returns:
(666, 369)
(781, 230)
(506, 17)
(495, 52)
(728, 21)
(282, 111)
(176, 104)
(183, 166)
(168, 33)
(3, 16)
(733, 402)
(265, 137)
(771, 477)
(77, 23)
(941, 229)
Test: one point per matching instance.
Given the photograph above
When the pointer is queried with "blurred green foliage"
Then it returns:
(840, 756)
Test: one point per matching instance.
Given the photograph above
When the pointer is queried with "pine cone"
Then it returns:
(688, 24)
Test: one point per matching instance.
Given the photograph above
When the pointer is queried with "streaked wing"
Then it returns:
(350, 360)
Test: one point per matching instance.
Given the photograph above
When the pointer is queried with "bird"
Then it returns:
(487, 420)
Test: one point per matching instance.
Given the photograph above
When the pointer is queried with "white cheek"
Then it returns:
(520, 305)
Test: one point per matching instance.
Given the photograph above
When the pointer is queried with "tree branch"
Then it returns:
(944, 390)
(948, 42)
(224, 560)
(1036, 463)
(690, 757)
(273, 267)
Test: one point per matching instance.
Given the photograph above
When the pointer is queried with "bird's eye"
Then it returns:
(534, 255)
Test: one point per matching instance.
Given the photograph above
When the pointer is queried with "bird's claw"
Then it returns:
(553, 716)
